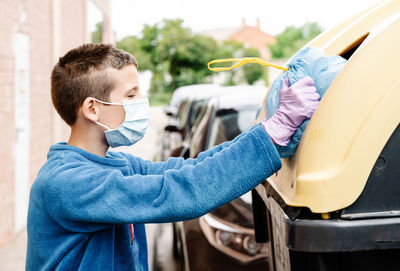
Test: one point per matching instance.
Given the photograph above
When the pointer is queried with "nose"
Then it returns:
(138, 95)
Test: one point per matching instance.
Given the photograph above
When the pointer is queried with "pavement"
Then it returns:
(13, 253)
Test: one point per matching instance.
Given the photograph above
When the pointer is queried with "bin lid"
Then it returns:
(355, 119)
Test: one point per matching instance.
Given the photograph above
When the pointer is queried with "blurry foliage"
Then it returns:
(160, 99)
(229, 49)
(132, 45)
(175, 55)
(97, 34)
(178, 57)
(292, 39)
(252, 72)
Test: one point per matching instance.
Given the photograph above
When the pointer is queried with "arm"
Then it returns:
(155, 168)
(192, 190)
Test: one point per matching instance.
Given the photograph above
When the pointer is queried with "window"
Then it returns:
(230, 123)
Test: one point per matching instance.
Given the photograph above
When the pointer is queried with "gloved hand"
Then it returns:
(297, 103)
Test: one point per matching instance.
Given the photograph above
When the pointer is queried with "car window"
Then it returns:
(200, 116)
(183, 113)
(227, 126)
(198, 139)
(196, 109)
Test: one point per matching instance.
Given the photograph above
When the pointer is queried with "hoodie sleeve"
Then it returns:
(148, 167)
(94, 199)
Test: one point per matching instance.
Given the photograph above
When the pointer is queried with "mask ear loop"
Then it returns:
(107, 102)
(241, 62)
(98, 123)
(102, 125)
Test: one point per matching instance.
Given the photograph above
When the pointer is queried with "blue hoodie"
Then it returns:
(81, 205)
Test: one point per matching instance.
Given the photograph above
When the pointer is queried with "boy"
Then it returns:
(88, 205)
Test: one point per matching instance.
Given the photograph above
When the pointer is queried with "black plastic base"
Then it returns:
(343, 235)
(335, 244)
(385, 260)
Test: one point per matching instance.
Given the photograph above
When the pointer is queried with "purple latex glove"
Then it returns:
(297, 103)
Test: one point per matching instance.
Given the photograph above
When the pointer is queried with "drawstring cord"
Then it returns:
(240, 62)
(131, 228)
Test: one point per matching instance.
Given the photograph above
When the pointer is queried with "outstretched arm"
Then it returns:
(154, 168)
(109, 198)
(297, 103)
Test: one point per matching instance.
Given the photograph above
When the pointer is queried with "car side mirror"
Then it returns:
(185, 153)
(176, 152)
(169, 111)
(172, 128)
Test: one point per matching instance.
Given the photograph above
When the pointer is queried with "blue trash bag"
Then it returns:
(311, 62)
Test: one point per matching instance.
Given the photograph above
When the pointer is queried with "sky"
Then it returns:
(129, 16)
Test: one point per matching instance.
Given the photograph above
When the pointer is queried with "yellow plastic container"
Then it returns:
(355, 118)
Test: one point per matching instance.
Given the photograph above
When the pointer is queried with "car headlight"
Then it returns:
(233, 240)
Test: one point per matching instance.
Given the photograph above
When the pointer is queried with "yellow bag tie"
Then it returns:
(241, 62)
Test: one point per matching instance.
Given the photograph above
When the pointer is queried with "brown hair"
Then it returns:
(82, 73)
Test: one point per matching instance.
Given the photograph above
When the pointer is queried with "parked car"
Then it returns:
(183, 92)
(188, 101)
(335, 204)
(224, 238)
(181, 109)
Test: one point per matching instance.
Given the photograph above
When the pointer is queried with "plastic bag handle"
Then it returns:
(241, 62)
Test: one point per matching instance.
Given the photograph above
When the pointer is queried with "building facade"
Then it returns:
(34, 34)
(249, 36)
(253, 36)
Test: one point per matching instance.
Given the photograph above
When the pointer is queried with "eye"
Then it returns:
(131, 95)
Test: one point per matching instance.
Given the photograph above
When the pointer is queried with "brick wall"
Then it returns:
(7, 26)
(38, 27)
(53, 27)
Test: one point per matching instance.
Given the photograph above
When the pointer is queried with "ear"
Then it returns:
(90, 109)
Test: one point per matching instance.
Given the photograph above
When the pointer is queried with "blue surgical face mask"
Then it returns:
(134, 125)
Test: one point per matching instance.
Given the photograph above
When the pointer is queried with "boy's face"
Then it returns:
(126, 87)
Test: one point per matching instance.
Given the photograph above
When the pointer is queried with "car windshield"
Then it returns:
(202, 112)
(183, 113)
(196, 109)
(200, 131)
(230, 124)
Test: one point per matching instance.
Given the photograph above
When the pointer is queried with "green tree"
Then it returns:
(252, 72)
(97, 34)
(229, 49)
(249, 73)
(132, 45)
(292, 39)
(176, 52)
(178, 57)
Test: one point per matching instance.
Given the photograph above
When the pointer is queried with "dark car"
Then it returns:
(224, 238)
(182, 110)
